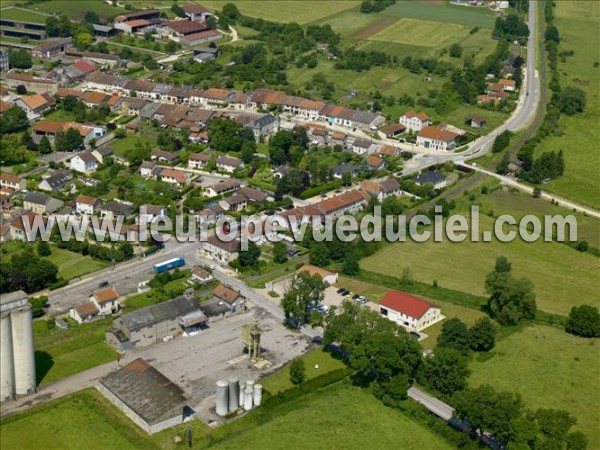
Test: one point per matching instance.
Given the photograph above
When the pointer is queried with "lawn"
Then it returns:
(123, 145)
(66, 352)
(22, 15)
(550, 369)
(340, 416)
(84, 420)
(60, 115)
(76, 9)
(577, 23)
(299, 11)
(71, 265)
(280, 379)
(424, 33)
(562, 276)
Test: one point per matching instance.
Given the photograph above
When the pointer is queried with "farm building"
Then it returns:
(146, 396)
(411, 312)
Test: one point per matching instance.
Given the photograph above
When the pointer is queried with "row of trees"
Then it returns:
(27, 271)
(369, 6)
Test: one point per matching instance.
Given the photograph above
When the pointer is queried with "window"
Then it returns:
(384, 312)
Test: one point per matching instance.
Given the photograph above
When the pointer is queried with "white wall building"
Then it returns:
(412, 313)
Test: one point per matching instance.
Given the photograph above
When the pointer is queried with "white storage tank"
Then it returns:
(222, 398)
(7, 368)
(23, 350)
(234, 394)
(248, 394)
(242, 396)
(257, 394)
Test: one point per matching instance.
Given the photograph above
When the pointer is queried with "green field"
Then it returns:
(340, 416)
(22, 15)
(577, 22)
(550, 369)
(66, 352)
(421, 33)
(85, 420)
(280, 379)
(76, 9)
(299, 11)
(122, 146)
(562, 276)
(71, 265)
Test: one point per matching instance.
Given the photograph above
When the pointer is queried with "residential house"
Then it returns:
(113, 209)
(235, 203)
(93, 99)
(411, 312)
(253, 195)
(233, 299)
(239, 99)
(389, 150)
(103, 152)
(430, 177)
(361, 146)
(23, 227)
(375, 162)
(174, 176)
(263, 126)
(149, 170)
(381, 189)
(105, 60)
(200, 275)
(265, 99)
(198, 160)
(36, 104)
(220, 251)
(216, 97)
(211, 214)
(83, 313)
(415, 121)
(163, 156)
(349, 202)
(337, 138)
(477, 121)
(56, 181)
(437, 138)
(12, 182)
(41, 203)
(106, 300)
(338, 172)
(84, 204)
(223, 187)
(84, 162)
(229, 163)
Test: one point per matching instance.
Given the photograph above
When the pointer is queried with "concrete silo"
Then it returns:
(234, 394)
(248, 393)
(23, 350)
(257, 394)
(7, 369)
(222, 397)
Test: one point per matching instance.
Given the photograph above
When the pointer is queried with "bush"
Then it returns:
(297, 371)
(60, 283)
(584, 321)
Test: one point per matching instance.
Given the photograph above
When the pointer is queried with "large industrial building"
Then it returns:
(17, 351)
(155, 323)
(146, 396)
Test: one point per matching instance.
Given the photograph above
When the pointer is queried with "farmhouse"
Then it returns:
(410, 312)
(31, 83)
(146, 396)
(235, 301)
(195, 12)
(200, 38)
(391, 130)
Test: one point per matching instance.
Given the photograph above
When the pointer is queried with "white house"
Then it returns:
(437, 138)
(84, 162)
(84, 312)
(198, 160)
(415, 121)
(84, 204)
(106, 300)
(228, 163)
(410, 312)
(151, 213)
(220, 251)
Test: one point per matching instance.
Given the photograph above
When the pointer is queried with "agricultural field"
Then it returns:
(83, 420)
(577, 22)
(419, 32)
(562, 276)
(298, 11)
(550, 369)
(66, 352)
(21, 15)
(76, 10)
(340, 416)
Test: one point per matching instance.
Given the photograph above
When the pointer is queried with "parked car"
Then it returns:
(355, 297)
(349, 295)
(344, 292)
(103, 284)
(340, 290)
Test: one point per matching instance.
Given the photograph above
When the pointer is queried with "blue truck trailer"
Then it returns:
(168, 265)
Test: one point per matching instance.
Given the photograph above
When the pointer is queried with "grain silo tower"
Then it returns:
(17, 359)
(7, 370)
(222, 398)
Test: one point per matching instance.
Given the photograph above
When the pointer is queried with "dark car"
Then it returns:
(344, 292)
(415, 335)
(103, 284)
(340, 290)
(355, 297)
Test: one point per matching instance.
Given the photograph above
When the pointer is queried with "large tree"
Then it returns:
(304, 289)
(446, 371)
(584, 321)
(511, 300)
(13, 120)
(319, 254)
(482, 335)
(249, 257)
(455, 334)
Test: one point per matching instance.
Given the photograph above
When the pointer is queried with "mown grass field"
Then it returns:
(71, 265)
(550, 369)
(122, 146)
(578, 24)
(562, 276)
(76, 9)
(63, 353)
(340, 416)
(21, 15)
(280, 379)
(424, 33)
(85, 420)
(299, 11)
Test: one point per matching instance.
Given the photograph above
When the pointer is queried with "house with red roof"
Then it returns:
(413, 313)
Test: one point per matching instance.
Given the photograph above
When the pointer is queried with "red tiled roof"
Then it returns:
(406, 303)
(106, 295)
(438, 134)
(5, 106)
(85, 66)
(86, 200)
